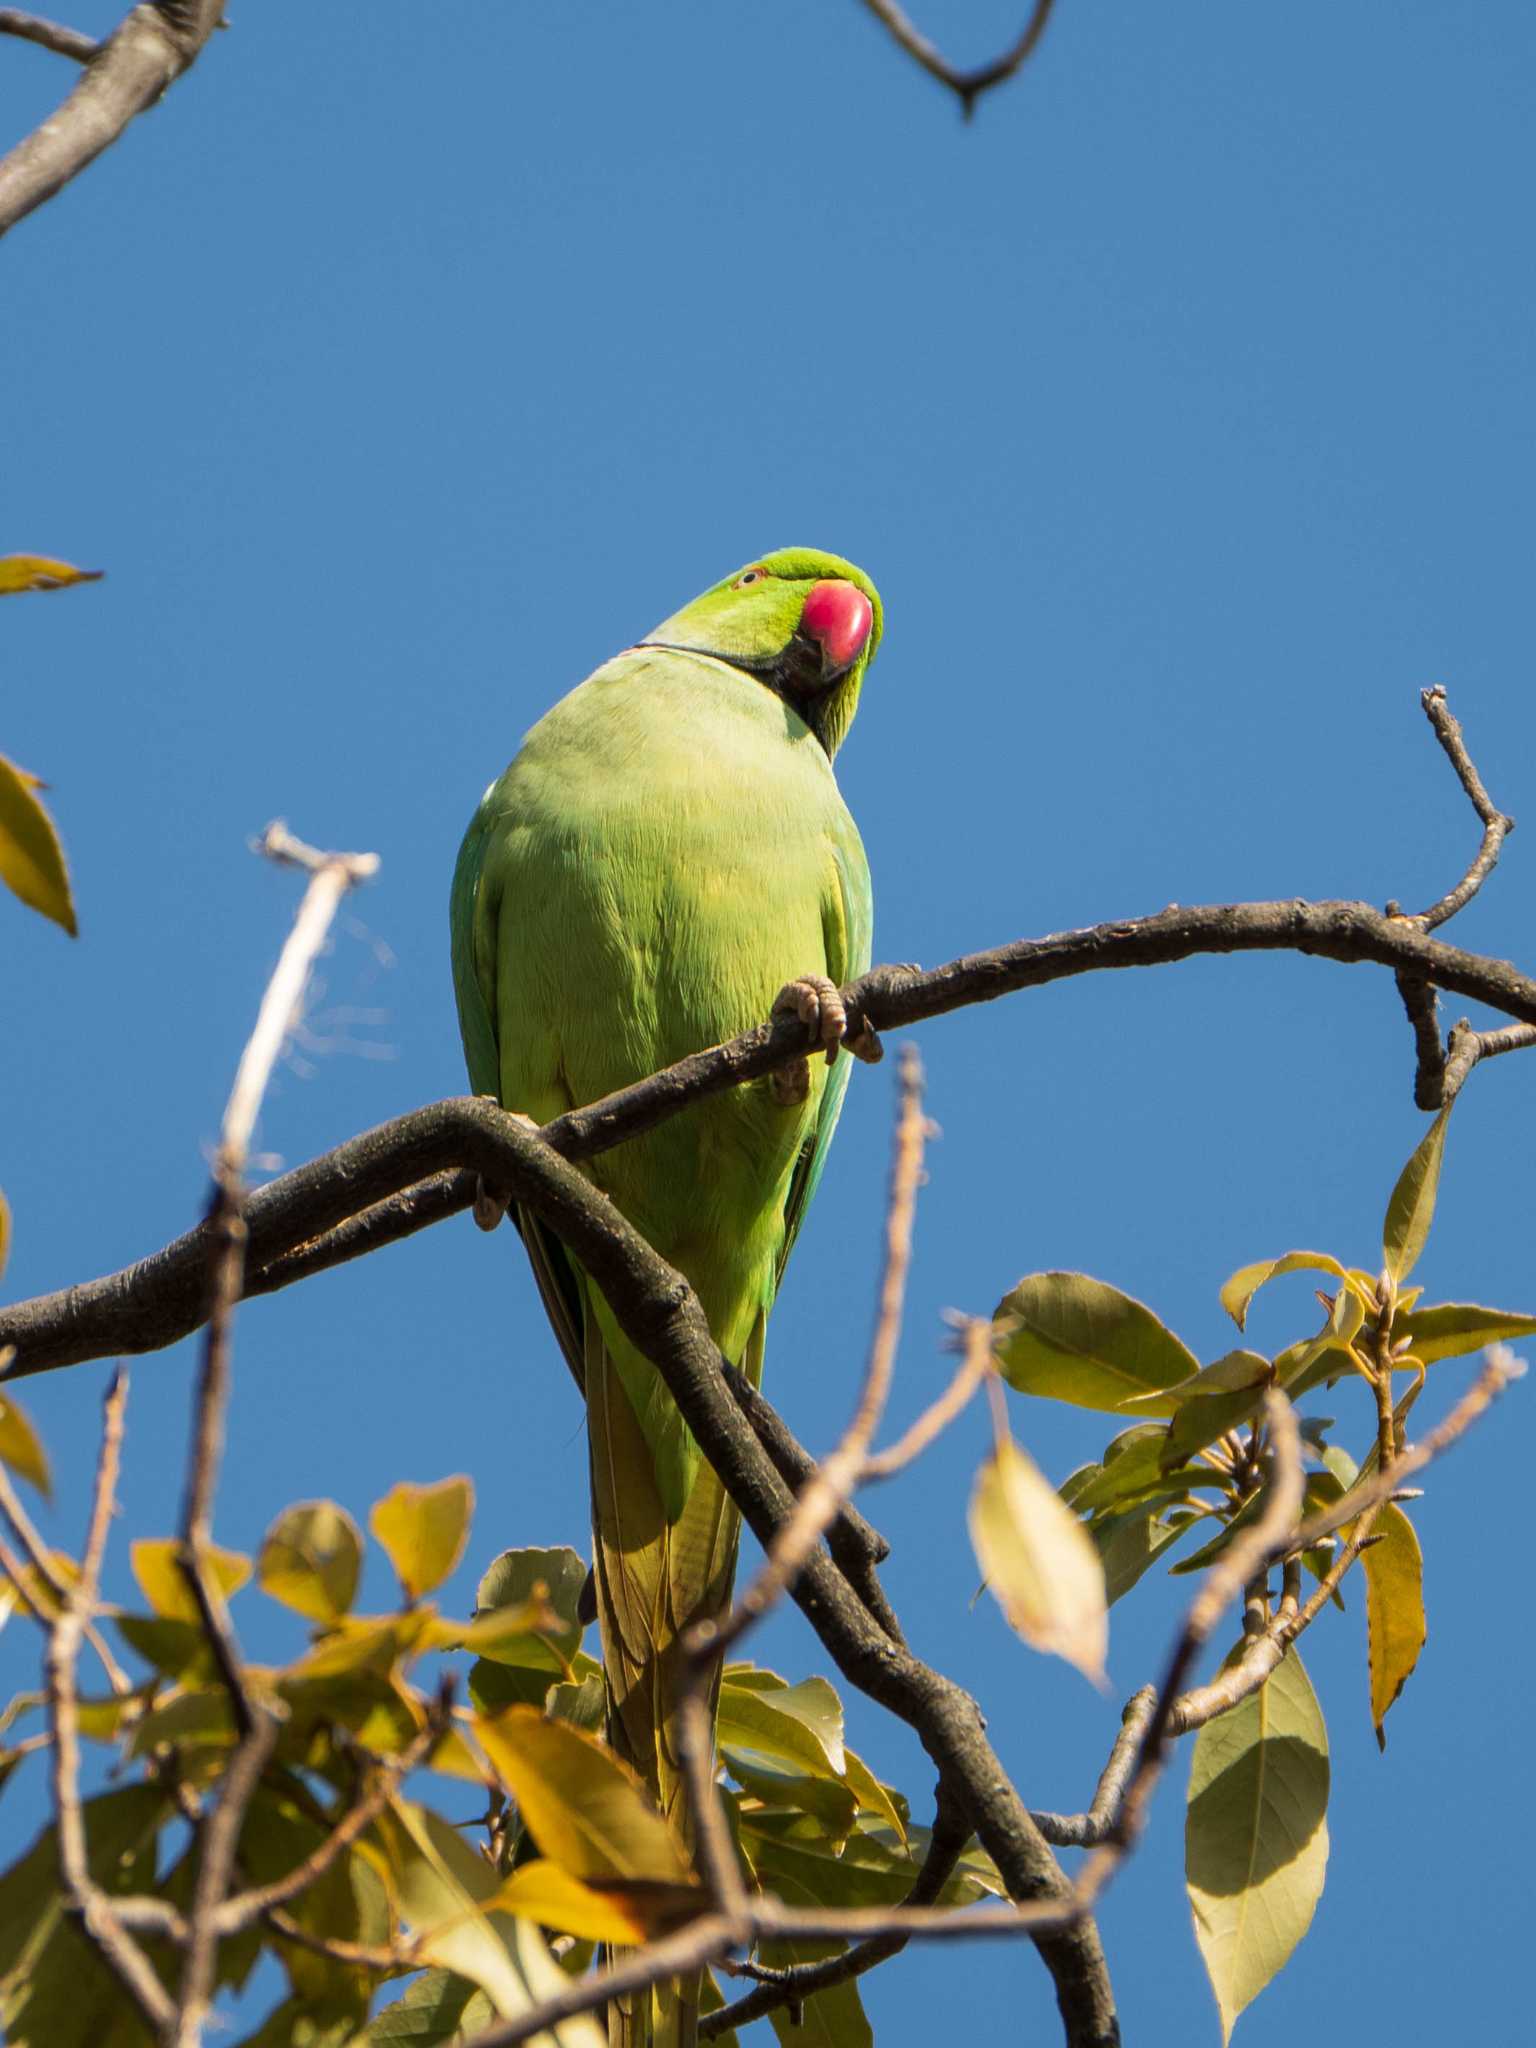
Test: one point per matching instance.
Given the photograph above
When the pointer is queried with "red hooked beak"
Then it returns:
(837, 616)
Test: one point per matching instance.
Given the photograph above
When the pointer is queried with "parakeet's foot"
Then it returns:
(817, 1002)
(491, 1204)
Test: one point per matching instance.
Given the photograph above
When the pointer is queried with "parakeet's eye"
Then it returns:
(750, 576)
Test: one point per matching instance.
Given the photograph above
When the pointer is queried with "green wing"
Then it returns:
(849, 929)
(472, 927)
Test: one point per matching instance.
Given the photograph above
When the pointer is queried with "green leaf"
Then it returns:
(55, 1992)
(1256, 1834)
(1070, 1338)
(21, 1448)
(161, 1580)
(799, 1725)
(829, 1799)
(422, 1530)
(1039, 1561)
(439, 2008)
(511, 1582)
(441, 1888)
(1450, 1329)
(583, 1706)
(1247, 1280)
(1226, 1394)
(874, 1797)
(176, 1649)
(586, 1809)
(1130, 1545)
(189, 1719)
(1209, 1552)
(1394, 1609)
(31, 858)
(40, 572)
(310, 1559)
(1412, 1207)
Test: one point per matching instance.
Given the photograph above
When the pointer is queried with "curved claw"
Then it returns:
(818, 1003)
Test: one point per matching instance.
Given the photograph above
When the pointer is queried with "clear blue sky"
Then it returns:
(398, 369)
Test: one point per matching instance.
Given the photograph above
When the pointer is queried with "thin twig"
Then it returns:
(975, 1363)
(42, 1563)
(1467, 1047)
(331, 876)
(48, 35)
(241, 1909)
(967, 85)
(1440, 1070)
(1087, 1830)
(94, 1907)
(399, 1956)
(1229, 1575)
(1496, 825)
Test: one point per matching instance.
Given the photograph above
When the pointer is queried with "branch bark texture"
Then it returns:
(147, 53)
(420, 1168)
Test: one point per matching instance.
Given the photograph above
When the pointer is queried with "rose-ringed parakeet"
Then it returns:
(666, 859)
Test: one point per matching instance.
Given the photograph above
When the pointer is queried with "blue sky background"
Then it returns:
(397, 372)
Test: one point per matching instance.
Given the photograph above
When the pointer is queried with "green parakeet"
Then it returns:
(668, 856)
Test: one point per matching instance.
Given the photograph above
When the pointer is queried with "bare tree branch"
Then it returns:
(148, 51)
(967, 85)
(1496, 825)
(161, 1299)
(1467, 1047)
(49, 35)
(1087, 1830)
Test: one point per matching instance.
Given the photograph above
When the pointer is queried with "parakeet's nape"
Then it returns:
(666, 858)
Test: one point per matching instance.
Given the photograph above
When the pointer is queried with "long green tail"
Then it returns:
(654, 1580)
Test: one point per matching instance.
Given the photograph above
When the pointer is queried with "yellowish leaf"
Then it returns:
(310, 1559)
(443, 1889)
(587, 1811)
(1247, 1280)
(1040, 1561)
(1394, 1609)
(161, 1580)
(40, 572)
(423, 1530)
(21, 1448)
(31, 858)
(542, 1891)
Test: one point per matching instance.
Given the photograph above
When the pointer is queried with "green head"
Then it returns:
(805, 624)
